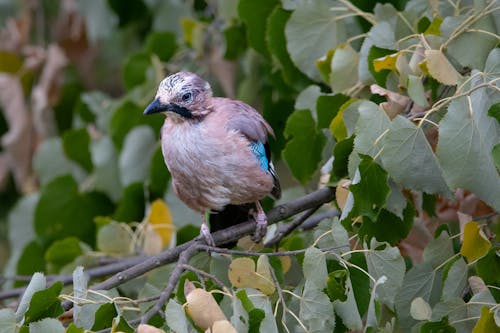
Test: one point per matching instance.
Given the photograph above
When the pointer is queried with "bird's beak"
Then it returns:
(156, 107)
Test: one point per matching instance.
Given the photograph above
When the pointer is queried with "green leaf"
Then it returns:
(327, 107)
(310, 32)
(276, 44)
(126, 116)
(388, 227)
(303, 150)
(486, 323)
(140, 141)
(420, 281)
(100, 21)
(386, 262)
(439, 250)
(105, 159)
(344, 68)
(470, 48)
(50, 161)
(175, 316)
(76, 147)
(37, 283)
(45, 303)
(163, 44)
(442, 326)
(236, 42)
(406, 148)
(114, 238)
(47, 325)
(254, 14)
(456, 280)
(336, 285)
(255, 315)
(314, 267)
(132, 205)
(416, 90)
(8, 321)
(360, 282)
(466, 138)
(30, 260)
(370, 126)
(494, 111)
(375, 53)
(80, 285)
(496, 155)
(72, 328)
(62, 252)
(62, 211)
(347, 311)
(104, 316)
(341, 154)
(488, 267)
(371, 192)
(121, 325)
(158, 175)
(135, 68)
(316, 310)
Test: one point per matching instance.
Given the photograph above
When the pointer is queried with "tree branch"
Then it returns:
(130, 268)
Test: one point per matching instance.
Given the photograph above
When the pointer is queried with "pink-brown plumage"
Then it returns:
(206, 145)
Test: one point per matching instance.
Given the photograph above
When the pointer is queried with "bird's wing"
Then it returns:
(244, 119)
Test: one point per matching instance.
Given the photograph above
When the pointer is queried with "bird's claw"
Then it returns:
(205, 232)
(261, 228)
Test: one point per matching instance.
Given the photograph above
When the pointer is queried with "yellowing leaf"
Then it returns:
(323, 65)
(337, 127)
(420, 309)
(387, 62)
(475, 244)
(286, 263)
(202, 307)
(242, 274)
(266, 284)
(434, 27)
(161, 221)
(440, 68)
(153, 243)
(144, 328)
(341, 192)
(486, 323)
(223, 326)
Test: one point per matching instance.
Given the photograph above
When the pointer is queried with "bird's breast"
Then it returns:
(212, 167)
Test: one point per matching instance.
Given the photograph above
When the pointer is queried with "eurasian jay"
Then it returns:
(216, 150)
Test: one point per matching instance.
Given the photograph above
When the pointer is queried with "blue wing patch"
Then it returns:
(259, 152)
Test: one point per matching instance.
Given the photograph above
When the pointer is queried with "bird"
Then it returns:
(217, 152)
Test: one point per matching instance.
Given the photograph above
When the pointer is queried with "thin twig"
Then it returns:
(206, 275)
(314, 220)
(172, 282)
(290, 227)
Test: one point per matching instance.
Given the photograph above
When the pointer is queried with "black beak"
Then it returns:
(156, 107)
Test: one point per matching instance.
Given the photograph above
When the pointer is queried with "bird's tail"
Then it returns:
(228, 216)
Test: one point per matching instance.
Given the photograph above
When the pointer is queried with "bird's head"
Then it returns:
(183, 95)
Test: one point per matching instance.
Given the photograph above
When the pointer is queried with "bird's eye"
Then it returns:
(187, 97)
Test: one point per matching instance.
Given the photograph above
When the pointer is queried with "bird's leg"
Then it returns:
(261, 220)
(205, 231)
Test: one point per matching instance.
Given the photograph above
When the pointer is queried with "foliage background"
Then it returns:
(395, 104)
